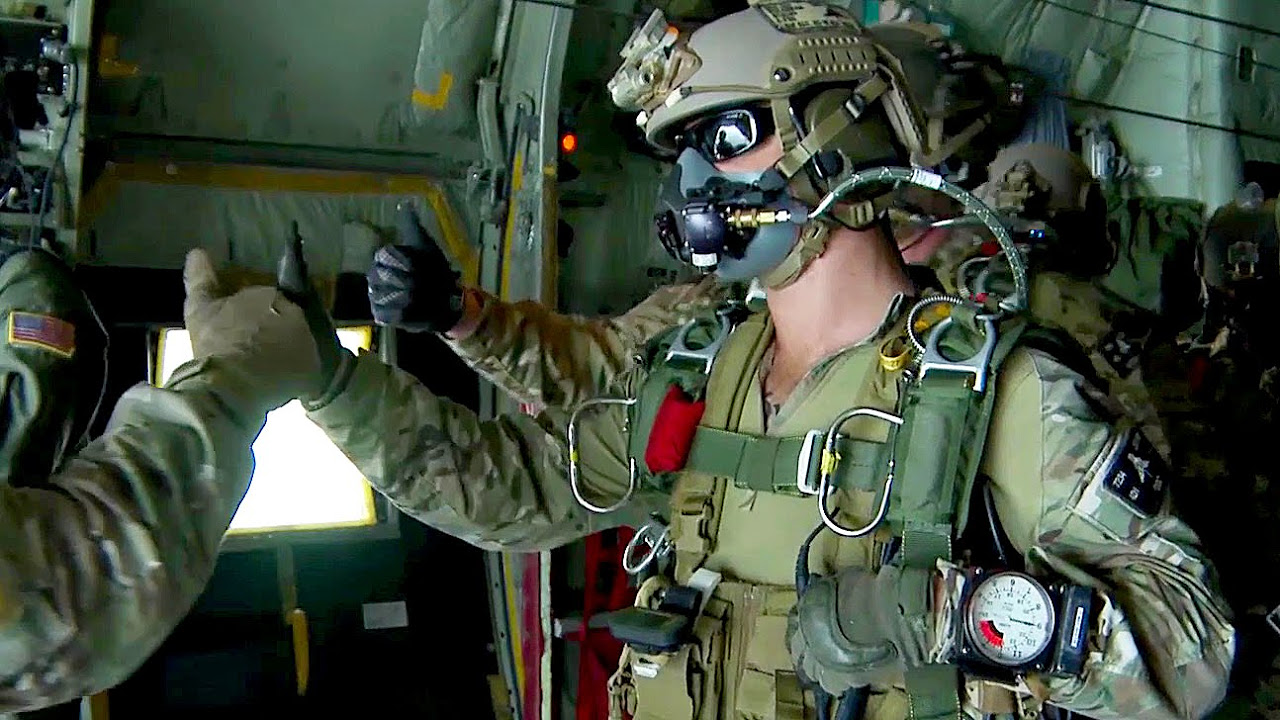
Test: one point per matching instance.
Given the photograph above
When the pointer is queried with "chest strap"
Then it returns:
(784, 465)
(713, 368)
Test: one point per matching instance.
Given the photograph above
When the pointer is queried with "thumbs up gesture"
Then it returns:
(258, 338)
(294, 282)
(412, 285)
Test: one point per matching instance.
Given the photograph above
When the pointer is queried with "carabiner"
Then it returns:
(962, 276)
(831, 459)
(632, 482)
(659, 547)
(976, 365)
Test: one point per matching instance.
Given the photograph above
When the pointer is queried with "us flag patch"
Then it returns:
(43, 331)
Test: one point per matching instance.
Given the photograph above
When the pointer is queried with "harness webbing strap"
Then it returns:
(932, 692)
(771, 464)
(698, 496)
(937, 455)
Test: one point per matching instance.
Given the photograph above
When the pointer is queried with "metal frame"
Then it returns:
(134, 147)
(40, 147)
(386, 528)
(516, 238)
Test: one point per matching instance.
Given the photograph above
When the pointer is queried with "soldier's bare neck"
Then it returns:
(839, 300)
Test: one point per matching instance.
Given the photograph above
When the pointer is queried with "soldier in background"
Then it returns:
(1059, 218)
(1220, 396)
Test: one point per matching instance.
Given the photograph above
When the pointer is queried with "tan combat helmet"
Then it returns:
(1045, 189)
(842, 97)
(1036, 178)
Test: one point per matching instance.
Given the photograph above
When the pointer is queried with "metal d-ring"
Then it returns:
(977, 365)
(658, 542)
(830, 459)
(680, 349)
(632, 482)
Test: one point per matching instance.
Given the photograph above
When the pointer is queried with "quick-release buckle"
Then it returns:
(977, 365)
(680, 349)
(804, 475)
(1273, 619)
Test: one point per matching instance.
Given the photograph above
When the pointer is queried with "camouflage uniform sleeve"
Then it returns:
(552, 360)
(1080, 498)
(101, 560)
(501, 484)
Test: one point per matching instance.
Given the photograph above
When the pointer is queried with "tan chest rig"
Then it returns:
(744, 501)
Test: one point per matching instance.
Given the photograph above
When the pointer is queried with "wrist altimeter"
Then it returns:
(1009, 623)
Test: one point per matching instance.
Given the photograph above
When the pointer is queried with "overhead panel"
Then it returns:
(226, 122)
(394, 75)
(1151, 62)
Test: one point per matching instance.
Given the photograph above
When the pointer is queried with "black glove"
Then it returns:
(412, 285)
(295, 283)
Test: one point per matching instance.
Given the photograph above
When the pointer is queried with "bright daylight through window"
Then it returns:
(301, 480)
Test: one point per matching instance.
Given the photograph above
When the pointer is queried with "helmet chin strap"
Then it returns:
(812, 243)
(815, 235)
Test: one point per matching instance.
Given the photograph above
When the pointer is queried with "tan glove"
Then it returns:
(254, 343)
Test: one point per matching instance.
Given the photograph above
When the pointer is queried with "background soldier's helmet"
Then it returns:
(1240, 249)
(1046, 184)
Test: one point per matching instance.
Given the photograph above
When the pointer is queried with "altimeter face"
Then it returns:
(1009, 619)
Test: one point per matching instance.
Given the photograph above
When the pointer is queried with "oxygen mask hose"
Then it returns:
(972, 206)
(803, 576)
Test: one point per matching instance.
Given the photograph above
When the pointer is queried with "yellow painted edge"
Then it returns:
(301, 649)
(517, 182)
(513, 627)
(261, 177)
(159, 356)
(371, 519)
(110, 66)
(252, 177)
(96, 199)
(438, 99)
(99, 708)
(454, 236)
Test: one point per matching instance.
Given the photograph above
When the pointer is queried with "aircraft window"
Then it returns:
(301, 480)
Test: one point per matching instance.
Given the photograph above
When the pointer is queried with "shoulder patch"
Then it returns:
(1136, 474)
(42, 331)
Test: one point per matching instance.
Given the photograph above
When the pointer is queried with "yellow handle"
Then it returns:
(110, 66)
(301, 648)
